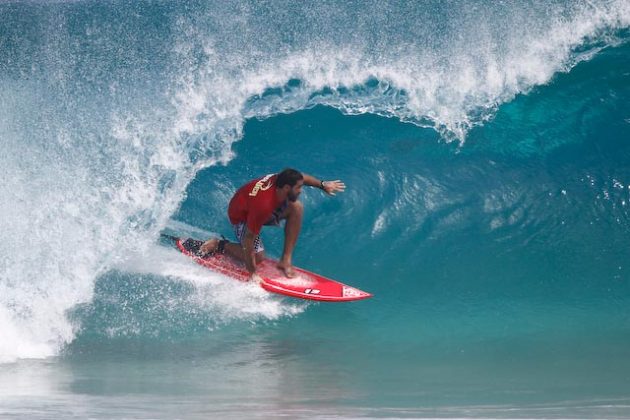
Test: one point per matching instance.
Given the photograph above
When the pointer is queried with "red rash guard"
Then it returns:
(254, 203)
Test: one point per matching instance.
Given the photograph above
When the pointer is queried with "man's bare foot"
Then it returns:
(287, 269)
(209, 246)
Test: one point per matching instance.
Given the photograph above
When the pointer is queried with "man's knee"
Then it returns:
(260, 257)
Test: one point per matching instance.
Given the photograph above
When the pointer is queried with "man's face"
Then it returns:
(295, 191)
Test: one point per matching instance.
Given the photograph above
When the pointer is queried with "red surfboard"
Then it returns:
(305, 285)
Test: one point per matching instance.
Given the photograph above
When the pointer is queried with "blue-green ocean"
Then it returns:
(485, 146)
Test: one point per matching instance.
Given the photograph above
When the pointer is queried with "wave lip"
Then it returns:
(453, 85)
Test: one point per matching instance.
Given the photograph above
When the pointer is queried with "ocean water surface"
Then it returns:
(485, 148)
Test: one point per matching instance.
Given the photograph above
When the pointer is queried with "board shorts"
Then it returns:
(274, 220)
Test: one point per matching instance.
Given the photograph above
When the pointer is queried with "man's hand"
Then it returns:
(333, 187)
(255, 278)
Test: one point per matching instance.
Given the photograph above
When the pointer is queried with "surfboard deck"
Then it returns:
(305, 285)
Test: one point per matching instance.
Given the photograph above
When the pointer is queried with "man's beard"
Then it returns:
(292, 196)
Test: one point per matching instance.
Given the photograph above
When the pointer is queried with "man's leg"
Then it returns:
(293, 215)
(235, 250)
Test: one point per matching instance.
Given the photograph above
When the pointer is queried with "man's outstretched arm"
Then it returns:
(329, 187)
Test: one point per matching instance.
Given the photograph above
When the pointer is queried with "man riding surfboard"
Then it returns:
(266, 201)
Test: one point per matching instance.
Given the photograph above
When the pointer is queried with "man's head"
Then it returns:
(291, 182)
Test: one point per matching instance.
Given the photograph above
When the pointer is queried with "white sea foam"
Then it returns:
(224, 297)
(451, 89)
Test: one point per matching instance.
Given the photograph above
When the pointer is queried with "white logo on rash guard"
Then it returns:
(259, 186)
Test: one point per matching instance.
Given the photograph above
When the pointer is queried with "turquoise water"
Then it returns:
(485, 150)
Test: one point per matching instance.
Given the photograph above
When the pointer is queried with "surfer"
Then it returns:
(262, 202)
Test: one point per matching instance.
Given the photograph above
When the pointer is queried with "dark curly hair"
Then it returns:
(288, 177)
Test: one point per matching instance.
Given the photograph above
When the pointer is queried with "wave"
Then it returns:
(451, 81)
(109, 110)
